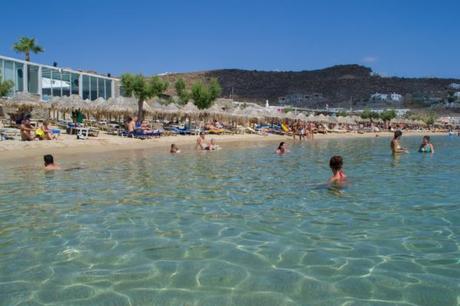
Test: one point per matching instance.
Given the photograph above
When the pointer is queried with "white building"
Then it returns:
(393, 97)
(396, 97)
(457, 94)
(454, 85)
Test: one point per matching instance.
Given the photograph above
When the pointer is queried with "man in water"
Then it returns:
(200, 142)
(50, 165)
(395, 145)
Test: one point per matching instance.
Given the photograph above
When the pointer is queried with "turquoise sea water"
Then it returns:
(241, 226)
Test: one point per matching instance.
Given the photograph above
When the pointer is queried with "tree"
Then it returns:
(204, 95)
(387, 115)
(341, 114)
(5, 87)
(26, 45)
(200, 95)
(142, 89)
(214, 89)
(181, 91)
(366, 114)
(157, 86)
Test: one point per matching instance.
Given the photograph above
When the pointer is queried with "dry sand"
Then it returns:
(68, 144)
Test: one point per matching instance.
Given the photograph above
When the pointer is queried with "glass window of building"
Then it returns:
(75, 84)
(46, 83)
(65, 76)
(8, 74)
(101, 88)
(93, 88)
(108, 88)
(86, 88)
(19, 68)
(32, 79)
(56, 83)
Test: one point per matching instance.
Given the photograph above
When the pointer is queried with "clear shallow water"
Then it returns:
(235, 227)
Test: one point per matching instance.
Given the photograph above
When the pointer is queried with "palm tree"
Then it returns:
(27, 45)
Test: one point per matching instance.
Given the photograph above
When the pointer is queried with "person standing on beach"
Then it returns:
(395, 145)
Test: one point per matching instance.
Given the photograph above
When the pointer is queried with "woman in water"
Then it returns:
(395, 145)
(336, 164)
(426, 146)
(282, 148)
(174, 149)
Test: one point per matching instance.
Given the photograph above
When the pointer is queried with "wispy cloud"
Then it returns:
(369, 59)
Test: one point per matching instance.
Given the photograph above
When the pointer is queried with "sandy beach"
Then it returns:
(68, 144)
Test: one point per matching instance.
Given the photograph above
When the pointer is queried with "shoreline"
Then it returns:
(69, 145)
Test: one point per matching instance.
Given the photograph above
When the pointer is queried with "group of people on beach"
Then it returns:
(29, 133)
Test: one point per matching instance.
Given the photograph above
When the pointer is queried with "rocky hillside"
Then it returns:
(335, 86)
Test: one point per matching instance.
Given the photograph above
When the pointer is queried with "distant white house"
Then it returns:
(379, 96)
(393, 97)
(457, 94)
(454, 85)
(396, 97)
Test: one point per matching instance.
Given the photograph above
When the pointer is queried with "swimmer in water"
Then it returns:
(174, 149)
(395, 145)
(336, 164)
(426, 146)
(50, 165)
(282, 148)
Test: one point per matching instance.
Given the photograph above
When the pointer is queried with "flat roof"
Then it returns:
(59, 68)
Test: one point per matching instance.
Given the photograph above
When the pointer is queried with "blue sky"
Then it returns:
(403, 38)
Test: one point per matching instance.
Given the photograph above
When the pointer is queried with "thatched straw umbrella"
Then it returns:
(24, 100)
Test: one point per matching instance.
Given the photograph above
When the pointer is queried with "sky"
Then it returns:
(410, 38)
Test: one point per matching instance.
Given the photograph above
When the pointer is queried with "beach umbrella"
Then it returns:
(23, 99)
(301, 117)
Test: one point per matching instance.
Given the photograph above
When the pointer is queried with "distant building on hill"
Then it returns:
(454, 85)
(302, 99)
(382, 97)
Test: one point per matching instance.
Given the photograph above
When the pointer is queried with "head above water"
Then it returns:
(398, 134)
(281, 146)
(336, 163)
(49, 160)
(426, 139)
